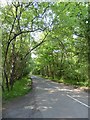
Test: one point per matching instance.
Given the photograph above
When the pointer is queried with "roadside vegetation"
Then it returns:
(64, 57)
(20, 88)
(44, 38)
(68, 82)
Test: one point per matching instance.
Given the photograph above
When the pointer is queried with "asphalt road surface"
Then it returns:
(48, 100)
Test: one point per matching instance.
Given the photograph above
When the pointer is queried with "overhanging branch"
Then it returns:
(35, 46)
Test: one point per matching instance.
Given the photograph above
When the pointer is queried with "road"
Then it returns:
(48, 100)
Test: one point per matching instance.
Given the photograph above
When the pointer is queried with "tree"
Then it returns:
(64, 54)
(61, 51)
(17, 36)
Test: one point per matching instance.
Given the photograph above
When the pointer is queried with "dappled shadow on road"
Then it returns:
(50, 100)
(33, 107)
(47, 100)
(23, 107)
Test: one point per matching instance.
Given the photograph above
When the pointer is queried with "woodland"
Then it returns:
(51, 39)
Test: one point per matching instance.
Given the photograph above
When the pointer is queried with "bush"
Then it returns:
(20, 88)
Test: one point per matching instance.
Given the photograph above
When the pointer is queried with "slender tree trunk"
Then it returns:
(3, 82)
(6, 77)
(12, 66)
(53, 66)
(47, 71)
(12, 77)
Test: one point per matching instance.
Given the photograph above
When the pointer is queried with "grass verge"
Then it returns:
(69, 82)
(20, 88)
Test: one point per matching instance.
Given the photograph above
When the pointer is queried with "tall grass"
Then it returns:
(21, 87)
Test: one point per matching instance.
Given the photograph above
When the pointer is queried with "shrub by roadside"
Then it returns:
(21, 87)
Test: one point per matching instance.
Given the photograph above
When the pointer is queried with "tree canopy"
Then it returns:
(56, 33)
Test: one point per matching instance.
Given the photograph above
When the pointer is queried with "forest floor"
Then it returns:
(49, 100)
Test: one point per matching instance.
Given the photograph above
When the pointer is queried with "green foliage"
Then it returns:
(19, 21)
(63, 52)
(20, 88)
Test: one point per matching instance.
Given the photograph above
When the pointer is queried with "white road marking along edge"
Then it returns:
(78, 101)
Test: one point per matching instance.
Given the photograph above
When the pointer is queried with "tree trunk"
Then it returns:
(47, 71)
(12, 66)
(6, 77)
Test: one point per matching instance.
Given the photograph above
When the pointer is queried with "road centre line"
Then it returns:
(78, 101)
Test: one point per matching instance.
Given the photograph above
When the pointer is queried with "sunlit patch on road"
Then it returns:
(43, 108)
(29, 107)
